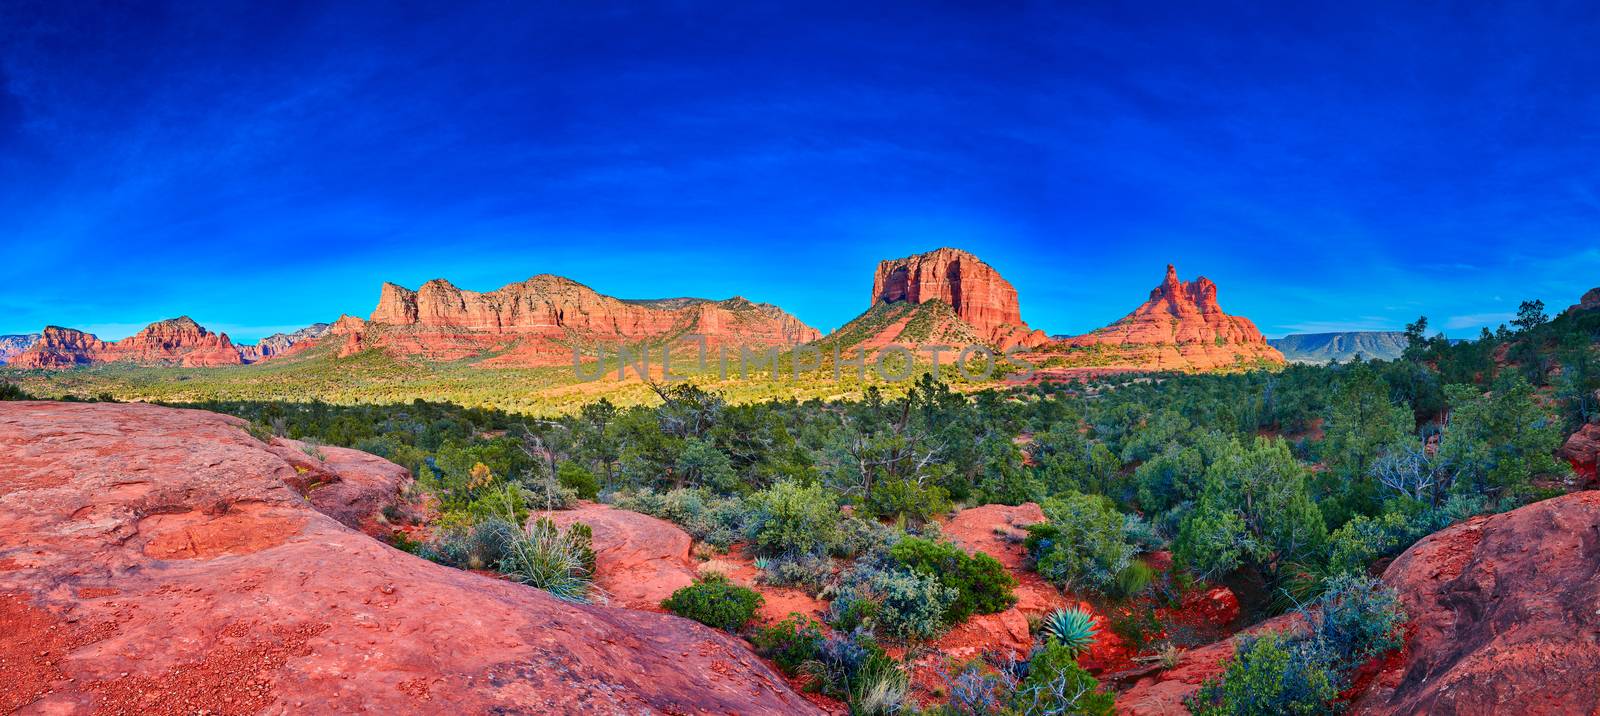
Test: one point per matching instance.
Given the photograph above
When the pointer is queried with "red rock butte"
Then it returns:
(943, 297)
(1182, 327)
(978, 294)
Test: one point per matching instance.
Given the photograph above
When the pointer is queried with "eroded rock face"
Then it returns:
(278, 345)
(1182, 327)
(59, 347)
(1582, 450)
(14, 344)
(1505, 615)
(175, 341)
(160, 560)
(536, 321)
(977, 293)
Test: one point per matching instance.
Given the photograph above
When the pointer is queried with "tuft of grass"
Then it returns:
(559, 562)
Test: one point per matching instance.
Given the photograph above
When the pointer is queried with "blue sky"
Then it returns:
(260, 167)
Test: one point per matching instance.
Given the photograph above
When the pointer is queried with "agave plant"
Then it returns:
(1072, 628)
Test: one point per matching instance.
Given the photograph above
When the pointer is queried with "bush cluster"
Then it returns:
(1356, 619)
(981, 584)
(715, 602)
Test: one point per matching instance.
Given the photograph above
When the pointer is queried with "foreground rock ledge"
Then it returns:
(158, 561)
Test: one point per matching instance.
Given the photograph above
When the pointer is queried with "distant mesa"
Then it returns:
(1181, 327)
(943, 297)
(539, 321)
(1341, 346)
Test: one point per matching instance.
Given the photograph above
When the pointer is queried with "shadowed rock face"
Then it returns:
(1505, 615)
(1182, 327)
(161, 560)
(980, 296)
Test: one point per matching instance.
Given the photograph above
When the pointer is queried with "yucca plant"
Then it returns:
(1072, 628)
(561, 563)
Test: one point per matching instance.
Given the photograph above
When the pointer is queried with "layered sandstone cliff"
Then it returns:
(977, 293)
(540, 320)
(945, 297)
(1180, 327)
(155, 560)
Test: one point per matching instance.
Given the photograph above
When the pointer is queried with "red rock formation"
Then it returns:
(1582, 450)
(175, 341)
(1589, 302)
(279, 345)
(539, 320)
(1504, 612)
(1181, 327)
(639, 560)
(59, 347)
(155, 560)
(979, 295)
(15, 344)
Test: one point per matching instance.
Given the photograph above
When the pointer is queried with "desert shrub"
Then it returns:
(718, 521)
(975, 689)
(790, 518)
(806, 571)
(981, 583)
(1133, 580)
(1269, 675)
(1055, 684)
(1353, 547)
(1355, 620)
(559, 562)
(852, 667)
(11, 391)
(579, 479)
(907, 501)
(1083, 545)
(1138, 628)
(789, 643)
(891, 600)
(714, 601)
(1073, 629)
(858, 536)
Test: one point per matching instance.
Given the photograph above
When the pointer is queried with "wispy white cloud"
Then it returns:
(1474, 320)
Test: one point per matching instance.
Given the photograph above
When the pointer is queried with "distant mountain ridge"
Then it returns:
(1341, 346)
(11, 345)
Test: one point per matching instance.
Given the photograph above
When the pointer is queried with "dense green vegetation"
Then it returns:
(1289, 484)
(715, 602)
